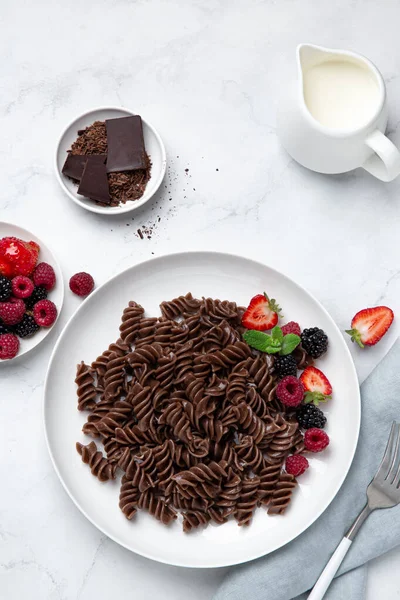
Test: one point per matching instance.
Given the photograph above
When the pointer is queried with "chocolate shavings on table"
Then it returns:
(129, 185)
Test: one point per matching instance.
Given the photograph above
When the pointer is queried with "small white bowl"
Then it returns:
(56, 295)
(154, 148)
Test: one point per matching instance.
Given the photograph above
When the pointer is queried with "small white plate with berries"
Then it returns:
(320, 404)
(31, 292)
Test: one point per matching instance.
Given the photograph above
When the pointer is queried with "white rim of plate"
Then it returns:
(130, 205)
(60, 281)
(351, 454)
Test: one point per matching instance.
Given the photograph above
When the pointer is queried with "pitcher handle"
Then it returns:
(385, 163)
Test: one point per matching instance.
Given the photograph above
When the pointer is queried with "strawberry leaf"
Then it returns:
(289, 343)
(355, 336)
(274, 306)
(315, 398)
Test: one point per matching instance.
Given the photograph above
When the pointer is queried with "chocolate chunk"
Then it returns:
(125, 141)
(94, 182)
(75, 164)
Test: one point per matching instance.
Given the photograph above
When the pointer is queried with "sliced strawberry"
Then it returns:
(370, 325)
(317, 386)
(262, 313)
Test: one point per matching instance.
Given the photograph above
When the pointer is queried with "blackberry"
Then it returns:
(26, 327)
(309, 415)
(39, 293)
(285, 365)
(314, 342)
(5, 288)
(4, 328)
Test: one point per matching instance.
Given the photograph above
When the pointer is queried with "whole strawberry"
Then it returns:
(17, 257)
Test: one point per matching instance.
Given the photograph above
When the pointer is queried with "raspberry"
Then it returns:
(314, 342)
(309, 416)
(45, 313)
(291, 327)
(44, 275)
(22, 287)
(5, 288)
(290, 391)
(11, 312)
(315, 439)
(296, 465)
(285, 365)
(9, 346)
(81, 284)
(17, 257)
(26, 327)
(39, 293)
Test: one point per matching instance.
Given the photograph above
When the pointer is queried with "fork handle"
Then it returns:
(330, 570)
(336, 560)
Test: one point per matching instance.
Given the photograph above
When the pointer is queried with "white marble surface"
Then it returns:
(208, 75)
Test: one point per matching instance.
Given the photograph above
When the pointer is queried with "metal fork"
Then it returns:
(382, 492)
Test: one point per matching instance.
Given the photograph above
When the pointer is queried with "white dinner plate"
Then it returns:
(56, 295)
(95, 325)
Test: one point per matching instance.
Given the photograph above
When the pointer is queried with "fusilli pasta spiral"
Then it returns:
(188, 412)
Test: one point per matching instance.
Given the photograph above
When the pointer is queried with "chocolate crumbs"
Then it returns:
(124, 186)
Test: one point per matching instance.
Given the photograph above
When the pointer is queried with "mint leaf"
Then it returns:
(262, 342)
(289, 343)
(276, 334)
(272, 349)
(257, 339)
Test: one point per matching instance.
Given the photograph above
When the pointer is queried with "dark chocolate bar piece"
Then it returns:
(94, 182)
(125, 143)
(75, 163)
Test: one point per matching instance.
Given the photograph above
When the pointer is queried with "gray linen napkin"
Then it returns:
(292, 570)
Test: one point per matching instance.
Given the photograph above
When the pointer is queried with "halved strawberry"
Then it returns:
(262, 313)
(370, 325)
(317, 386)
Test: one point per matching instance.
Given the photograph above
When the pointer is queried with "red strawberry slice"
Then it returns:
(262, 313)
(317, 386)
(370, 325)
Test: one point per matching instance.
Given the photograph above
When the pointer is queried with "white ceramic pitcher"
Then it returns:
(329, 147)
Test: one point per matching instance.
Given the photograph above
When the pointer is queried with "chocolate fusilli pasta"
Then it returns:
(188, 413)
